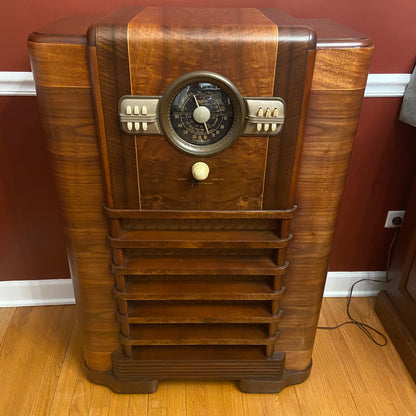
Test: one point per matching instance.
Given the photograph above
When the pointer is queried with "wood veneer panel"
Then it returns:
(331, 73)
(327, 147)
(198, 239)
(151, 45)
(77, 172)
(185, 334)
(70, 30)
(155, 36)
(66, 106)
(232, 265)
(195, 353)
(334, 106)
(50, 63)
(191, 312)
(167, 183)
(199, 289)
(201, 214)
(109, 37)
(294, 66)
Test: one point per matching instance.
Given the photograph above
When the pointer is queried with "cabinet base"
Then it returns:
(142, 384)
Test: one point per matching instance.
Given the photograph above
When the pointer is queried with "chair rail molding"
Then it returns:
(14, 83)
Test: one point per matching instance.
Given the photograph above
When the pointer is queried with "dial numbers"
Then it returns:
(201, 113)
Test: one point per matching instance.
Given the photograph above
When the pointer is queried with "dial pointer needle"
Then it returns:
(206, 128)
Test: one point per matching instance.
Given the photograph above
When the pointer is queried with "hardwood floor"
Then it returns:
(41, 374)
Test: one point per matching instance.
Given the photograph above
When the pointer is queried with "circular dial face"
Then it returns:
(202, 113)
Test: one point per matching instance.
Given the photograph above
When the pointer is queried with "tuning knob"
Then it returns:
(200, 171)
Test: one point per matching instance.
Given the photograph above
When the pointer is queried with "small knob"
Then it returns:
(200, 171)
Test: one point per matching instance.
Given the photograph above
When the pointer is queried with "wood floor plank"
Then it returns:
(6, 316)
(42, 374)
(328, 374)
(69, 373)
(271, 405)
(120, 405)
(368, 405)
(233, 398)
(57, 349)
(82, 395)
(138, 404)
(25, 359)
(100, 401)
(196, 403)
(363, 362)
(214, 396)
(158, 401)
(176, 398)
(252, 404)
(284, 403)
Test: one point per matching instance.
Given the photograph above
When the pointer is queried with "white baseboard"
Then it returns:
(36, 292)
(338, 284)
(60, 292)
(378, 85)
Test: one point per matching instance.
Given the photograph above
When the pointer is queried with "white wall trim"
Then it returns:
(378, 85)
(60, 291)
(17, 83)
(386, 85)
(338, 284)
(36, 292)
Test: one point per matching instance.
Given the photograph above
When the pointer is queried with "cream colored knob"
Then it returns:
(201, 114)
(200, 171)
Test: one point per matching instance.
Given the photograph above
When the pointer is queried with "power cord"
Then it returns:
(367, 329)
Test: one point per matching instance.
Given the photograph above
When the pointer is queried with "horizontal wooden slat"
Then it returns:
(197, 335)
(233, 265)
(172, 214)
(198, 289)
(157, 312)
(198, 239)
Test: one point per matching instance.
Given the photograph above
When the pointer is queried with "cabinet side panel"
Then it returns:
(331, 124)
(68, 116)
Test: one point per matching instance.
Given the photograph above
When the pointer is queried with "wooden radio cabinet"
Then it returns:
(200, 158)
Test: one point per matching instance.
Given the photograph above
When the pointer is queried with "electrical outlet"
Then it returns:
(394, 219)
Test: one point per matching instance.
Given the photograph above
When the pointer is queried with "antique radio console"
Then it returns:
(199, 156)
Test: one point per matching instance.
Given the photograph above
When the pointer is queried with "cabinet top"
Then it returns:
(80, 29)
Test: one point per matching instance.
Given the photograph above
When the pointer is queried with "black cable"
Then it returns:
(367, 329)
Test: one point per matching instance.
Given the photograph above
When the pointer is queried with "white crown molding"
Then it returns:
(60, 291)
(378, 85)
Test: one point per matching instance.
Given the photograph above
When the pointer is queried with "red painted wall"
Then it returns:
(391, 25)
(380, 176)
(382, 164)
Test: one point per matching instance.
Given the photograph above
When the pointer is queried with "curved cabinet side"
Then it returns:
(337, 91)
(65, 100)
